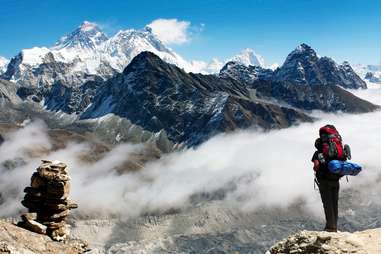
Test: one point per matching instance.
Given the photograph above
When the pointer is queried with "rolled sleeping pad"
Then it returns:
(344, 168)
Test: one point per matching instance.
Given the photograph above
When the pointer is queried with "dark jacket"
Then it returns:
(323, 172)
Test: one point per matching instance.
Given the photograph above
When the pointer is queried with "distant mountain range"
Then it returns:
(371, 72)
(87, 76)
(302, 66)
(87, 52)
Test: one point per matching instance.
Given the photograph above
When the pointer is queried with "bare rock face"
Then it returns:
(47, 200)
(364, 242)
(17, 240)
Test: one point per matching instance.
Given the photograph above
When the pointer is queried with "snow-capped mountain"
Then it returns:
(248, 57)
(87, 37)
(371, 72)
(3, 64)
(84, 53)
(120, 49)
(87, 52)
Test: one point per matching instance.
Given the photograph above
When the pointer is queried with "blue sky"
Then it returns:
(344, 30)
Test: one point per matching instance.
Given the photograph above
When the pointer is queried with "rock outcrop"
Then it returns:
(310, 242)
(17, 240)
(47, 200)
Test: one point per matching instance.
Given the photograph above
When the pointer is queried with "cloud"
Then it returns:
(250, 169)
(171, 31)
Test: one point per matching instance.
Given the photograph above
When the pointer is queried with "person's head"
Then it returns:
(318, 144)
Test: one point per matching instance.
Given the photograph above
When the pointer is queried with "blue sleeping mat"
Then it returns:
(344, 167)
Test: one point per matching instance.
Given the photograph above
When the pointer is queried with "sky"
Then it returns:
(344, 30)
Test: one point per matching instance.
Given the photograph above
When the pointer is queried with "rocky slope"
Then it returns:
(310, 242)
(212, 227)
(17, 240)
(109, 129)
(316, 97)
(246, 74)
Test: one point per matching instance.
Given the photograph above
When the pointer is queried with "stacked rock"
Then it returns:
(47, 200)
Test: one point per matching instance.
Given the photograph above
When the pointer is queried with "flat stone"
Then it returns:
(33, 225)
(29, 216)
(52, 216)
(54, 225)
(33, 191)
(31, 205)
(57, 189)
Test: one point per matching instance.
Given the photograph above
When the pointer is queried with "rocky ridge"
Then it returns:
(301, 67)
(189, 107)
(17, 240)
(313, 242)
(304, 66)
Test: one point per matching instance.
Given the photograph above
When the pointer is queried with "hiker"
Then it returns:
(329, 148)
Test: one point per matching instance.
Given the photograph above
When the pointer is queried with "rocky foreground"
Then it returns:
(16, 240)
(363, 242)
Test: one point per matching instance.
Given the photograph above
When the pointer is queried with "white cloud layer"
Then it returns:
(171, 31)
(261, 169)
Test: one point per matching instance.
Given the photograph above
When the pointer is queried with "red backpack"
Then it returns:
(332, 147)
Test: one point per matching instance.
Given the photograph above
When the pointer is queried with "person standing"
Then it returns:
(328, 147)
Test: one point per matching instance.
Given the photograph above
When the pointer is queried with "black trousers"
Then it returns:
(329, 192)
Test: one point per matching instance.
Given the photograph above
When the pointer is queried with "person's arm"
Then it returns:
(316, 165)
(316, 162)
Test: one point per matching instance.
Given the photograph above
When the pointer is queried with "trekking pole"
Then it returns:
(316, 183)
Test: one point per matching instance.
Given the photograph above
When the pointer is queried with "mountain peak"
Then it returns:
(145, 60)
(301, 53)
(304, 47)
(88, 26)
(87, 36)
(248, 57)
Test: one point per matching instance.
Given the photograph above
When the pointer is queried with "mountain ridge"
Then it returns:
(302, 66)
(190, 107)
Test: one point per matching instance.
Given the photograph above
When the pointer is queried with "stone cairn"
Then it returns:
(47, 200)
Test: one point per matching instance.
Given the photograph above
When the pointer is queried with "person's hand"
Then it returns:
(316, 165)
